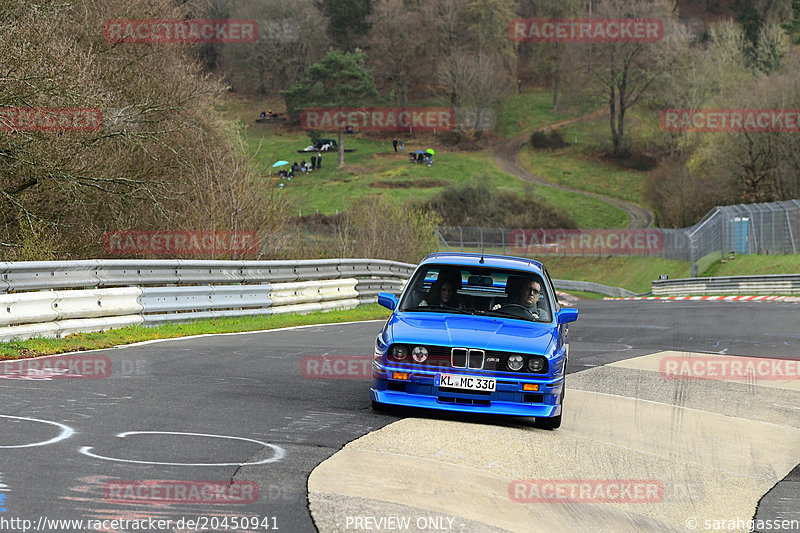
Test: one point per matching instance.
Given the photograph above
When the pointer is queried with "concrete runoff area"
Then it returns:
(715, 446)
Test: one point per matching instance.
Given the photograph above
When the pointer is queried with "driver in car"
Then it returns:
(527, 297)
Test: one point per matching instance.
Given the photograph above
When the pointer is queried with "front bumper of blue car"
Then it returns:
(509, 397)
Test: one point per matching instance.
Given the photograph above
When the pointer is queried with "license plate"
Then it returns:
(456, 381)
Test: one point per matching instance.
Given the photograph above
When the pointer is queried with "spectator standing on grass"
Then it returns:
(394, 143)
(313, 162)
(401, 145)
(319, 160)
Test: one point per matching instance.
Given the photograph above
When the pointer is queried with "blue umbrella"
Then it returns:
(280, 164)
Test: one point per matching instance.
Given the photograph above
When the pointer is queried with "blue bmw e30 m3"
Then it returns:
(475, 333)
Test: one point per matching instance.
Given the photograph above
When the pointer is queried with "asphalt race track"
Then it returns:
(242, 411)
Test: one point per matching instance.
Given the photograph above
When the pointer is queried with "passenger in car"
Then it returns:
(443, 293)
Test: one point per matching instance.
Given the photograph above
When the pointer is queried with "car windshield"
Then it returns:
(478, 290)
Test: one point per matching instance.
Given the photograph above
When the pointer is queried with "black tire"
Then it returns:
(553, 422)
(381, 407)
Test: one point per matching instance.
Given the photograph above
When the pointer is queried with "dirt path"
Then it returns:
(506, 159)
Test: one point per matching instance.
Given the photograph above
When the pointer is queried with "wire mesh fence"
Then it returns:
(767, 228)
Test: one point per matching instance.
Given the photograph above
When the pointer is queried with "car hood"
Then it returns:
(471, 331)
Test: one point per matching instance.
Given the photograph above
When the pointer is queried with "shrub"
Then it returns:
(375, 227)
(478, 205)
(552, 140)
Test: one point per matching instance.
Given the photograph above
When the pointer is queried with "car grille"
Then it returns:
(467, 358)
(440, 356)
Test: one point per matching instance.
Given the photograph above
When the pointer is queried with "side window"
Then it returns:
(556, 303)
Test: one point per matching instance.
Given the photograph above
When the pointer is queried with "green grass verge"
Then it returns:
(570, 167)
(632, 273)
(531, 110)
(588, 212)
(582, 164)
(744, 265)
(116, 337)
(583, 295)
(374, 169)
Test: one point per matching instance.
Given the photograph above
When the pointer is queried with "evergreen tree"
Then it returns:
(339, 80)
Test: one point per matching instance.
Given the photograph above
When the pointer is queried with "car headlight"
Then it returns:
(536, 364)
(399, 352)
(420, 354)
(515, 362)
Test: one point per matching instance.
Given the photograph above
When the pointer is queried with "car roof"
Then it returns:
(497, 261)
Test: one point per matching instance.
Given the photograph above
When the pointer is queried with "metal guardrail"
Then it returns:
(105, 294)
(587, 286)
(767, 284)
(63, 297)
(38, 275)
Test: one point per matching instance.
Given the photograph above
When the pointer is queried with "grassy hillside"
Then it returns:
(582, 166)
(632, 273)
(531, 110)
(744, 265)
(375, 169)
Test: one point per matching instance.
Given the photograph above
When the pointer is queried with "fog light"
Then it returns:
(420, 354)
(535, 364)
(515, 362)
(399, 352)
(530, 386)
(404, 376)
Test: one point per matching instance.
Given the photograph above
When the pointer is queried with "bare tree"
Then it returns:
(395, 48)
(476, 81)
(159, 127)
(622, 73)
(291, 38)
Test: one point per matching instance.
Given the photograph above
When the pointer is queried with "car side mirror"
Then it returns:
(389, 300)
(567, 314)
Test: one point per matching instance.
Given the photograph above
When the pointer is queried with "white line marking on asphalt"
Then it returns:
(66, 432)
(279, 453)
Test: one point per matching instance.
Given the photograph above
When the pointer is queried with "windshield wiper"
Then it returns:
(437, 307)
(512, 315)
